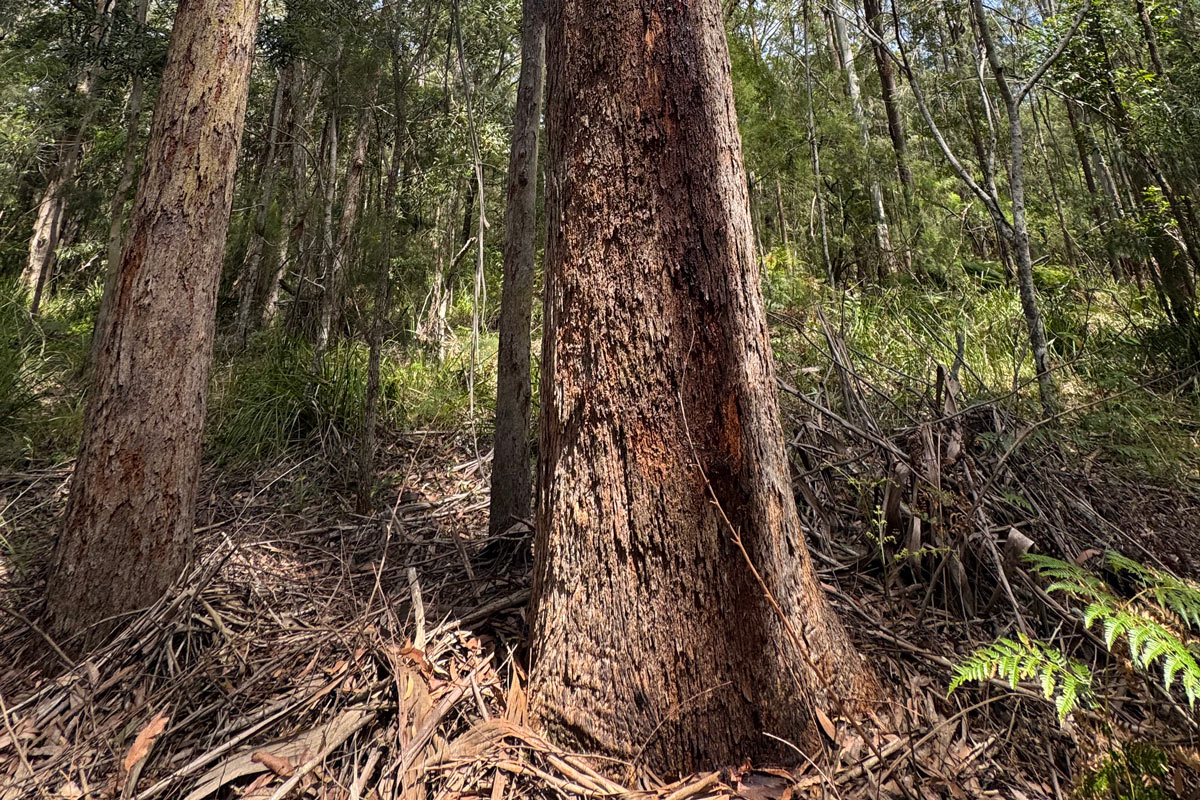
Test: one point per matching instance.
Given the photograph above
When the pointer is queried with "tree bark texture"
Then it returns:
(512, 478)
(660, 436)
(128, 528)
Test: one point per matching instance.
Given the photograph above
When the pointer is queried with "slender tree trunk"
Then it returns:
(266, 194)
(512, 476)
(813, 146)
(883, 238)
(1019, 237)
(887, 90)
(128, 529)
(661, 446)
(1068, 243)
(1018, 230)
(432, 328)
(52, 207)
(383, 288)
(783, 226)
(296, 211)
(1151, 40)
(322, 251)
(331, 294)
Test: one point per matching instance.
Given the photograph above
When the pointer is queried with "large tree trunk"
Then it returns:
(512, 484)
(128, 528)
(660, 434)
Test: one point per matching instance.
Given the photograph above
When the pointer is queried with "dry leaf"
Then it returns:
(827, 725)
(144, 741)
(70, 791)
(280, 766)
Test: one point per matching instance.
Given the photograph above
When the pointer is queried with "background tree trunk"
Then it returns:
(295, 210)
(266, 194)
(888, 92)
(883, 238)
(652, 637)
(51, 216)
(512, 481)
(128, 528)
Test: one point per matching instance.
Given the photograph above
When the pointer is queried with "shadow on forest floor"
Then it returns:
(314, 652)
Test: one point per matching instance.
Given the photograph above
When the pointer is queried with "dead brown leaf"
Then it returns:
(144, 741)
(277, 764)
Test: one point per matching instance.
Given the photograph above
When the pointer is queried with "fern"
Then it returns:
(1062, 680)
(1152, 645)
(1176, 595)
(1145, 624)
(1066, 577)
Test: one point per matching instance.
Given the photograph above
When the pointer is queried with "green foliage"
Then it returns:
(1152, 624)
(1178, 596)
(267, 400)
(42, 371)
(1147, 623)
(1065, 681)
(1132, 771)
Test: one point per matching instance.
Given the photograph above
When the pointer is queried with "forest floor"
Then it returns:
(313, 652)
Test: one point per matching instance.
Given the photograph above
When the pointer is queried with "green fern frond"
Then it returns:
(1178, 596)
(1150, 642)
(1062, 680)
(1067, 578)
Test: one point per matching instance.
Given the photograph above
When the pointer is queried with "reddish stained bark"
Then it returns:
(652, 638)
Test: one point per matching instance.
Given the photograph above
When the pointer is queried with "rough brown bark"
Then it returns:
(512, 478)
(652, 639)
(128, 527)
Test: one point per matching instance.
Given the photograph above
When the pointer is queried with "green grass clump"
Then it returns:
(43, 370)
(267, 400)
(1122, 388)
